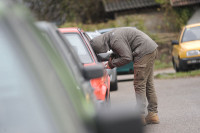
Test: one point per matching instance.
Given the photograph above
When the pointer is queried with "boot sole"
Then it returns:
(153, 122)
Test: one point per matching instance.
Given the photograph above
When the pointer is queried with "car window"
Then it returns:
(79, 46)
(191, 34)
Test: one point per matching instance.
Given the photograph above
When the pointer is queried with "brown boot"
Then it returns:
(152, 118)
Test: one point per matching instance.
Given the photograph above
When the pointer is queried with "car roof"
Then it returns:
(70, 29)
(192, 25)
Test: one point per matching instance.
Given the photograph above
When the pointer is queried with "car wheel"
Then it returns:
(175, 65)
(114, 85)
(182, 67)
(107, 102)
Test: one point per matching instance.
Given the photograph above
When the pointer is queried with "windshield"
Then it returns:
(191, 34)
(79, 46)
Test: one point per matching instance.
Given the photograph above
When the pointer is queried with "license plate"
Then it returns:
(193, 61)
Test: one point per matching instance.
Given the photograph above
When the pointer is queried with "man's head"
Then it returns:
(100, 44)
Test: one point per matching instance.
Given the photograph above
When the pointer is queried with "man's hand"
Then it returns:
(107, 66)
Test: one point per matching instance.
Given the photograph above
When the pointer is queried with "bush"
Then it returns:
(177, 17)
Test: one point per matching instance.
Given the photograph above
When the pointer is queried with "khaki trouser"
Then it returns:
(144, 83)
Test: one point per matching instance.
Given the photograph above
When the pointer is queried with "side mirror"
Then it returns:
(103, 57)
(175, 42)
(93, 71)
(119, 120)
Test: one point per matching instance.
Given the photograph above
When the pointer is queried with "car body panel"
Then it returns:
(187, 46)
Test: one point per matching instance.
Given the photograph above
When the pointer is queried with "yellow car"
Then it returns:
(186, 50)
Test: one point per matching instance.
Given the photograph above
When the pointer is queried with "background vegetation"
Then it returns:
(60, 11)
(175, 18)
(90, 16)
(79, 12)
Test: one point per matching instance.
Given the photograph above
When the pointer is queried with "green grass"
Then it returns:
(162, 65)
(178, 75)
(163, 61)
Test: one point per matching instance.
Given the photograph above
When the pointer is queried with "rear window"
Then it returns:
(80, 48)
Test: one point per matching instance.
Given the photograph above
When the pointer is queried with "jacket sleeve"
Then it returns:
(125, 55)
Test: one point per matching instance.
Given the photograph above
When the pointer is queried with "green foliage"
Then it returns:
(182, 16)
(59, 11)
(162, 1)
(175, 18)
(127, 20)
(85, 11)
(140, 25)
(161, 63)
(49, 10)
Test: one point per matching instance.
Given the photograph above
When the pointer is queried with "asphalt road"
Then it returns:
(179, 103)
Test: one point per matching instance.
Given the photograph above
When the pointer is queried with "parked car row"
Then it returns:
(47, 86)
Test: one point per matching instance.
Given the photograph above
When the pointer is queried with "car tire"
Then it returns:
(176, 68)
(114, 85)
(107, 101)
(181, 68)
